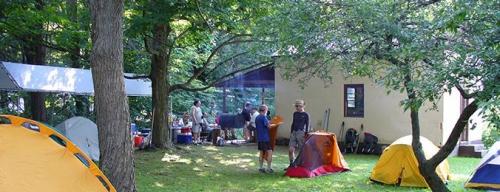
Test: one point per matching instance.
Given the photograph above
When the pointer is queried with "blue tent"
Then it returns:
(487, 174)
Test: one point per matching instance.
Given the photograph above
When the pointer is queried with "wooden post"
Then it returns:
(224, 95)
(263, 95)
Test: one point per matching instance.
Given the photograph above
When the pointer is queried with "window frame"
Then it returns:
(348, 112)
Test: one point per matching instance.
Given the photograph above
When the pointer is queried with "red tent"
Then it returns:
(320, 155)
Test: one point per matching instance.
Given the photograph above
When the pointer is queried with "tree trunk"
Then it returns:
(112, 114)
(35, 54)
(160, 86)
(427, 171)
(81, 102)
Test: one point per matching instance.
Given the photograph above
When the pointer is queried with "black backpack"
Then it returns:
(370, 143)
(350, 135)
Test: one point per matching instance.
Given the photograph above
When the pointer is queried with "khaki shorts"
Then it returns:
(196, 128)
(296, 139)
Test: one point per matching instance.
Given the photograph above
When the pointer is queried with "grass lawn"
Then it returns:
(232, 168)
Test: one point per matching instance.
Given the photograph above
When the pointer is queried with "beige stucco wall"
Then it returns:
(383, 115)
(451, 111)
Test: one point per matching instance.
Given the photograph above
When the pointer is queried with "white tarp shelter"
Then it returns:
(42, 78)
(82, 132)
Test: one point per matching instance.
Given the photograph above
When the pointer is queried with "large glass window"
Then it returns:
(354, 105)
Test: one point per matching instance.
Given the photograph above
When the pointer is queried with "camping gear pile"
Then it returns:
(370, 144)
(142, 138)
(351, 140)
(352, 143)
(35, 157)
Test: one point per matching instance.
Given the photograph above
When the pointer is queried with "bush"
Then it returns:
(491, 135)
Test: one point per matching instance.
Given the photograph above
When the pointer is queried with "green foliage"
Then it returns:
(432, 46)
(490, 113)
(491, 135)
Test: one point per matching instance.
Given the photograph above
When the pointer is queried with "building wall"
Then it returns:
(383, 116)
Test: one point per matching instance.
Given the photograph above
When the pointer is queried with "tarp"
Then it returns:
(82, 132)
(34, 157)
(42, 78)
(487, 174)
(399, 166)
(262, 77)
(320, 155)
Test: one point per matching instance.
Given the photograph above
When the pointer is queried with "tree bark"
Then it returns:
(81, 102)
(160, 86)
(112, 113)
(35, 53)
(428, 171)
(428, 167)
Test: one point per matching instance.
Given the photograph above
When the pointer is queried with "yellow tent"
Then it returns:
(34, 157)
(399, 166)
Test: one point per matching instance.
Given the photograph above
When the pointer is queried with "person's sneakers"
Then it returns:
(270, 171)
(291, 165)
(262, 170)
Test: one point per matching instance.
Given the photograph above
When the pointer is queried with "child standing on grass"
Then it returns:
(263, 141)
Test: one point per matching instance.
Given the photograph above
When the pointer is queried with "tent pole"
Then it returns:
(263, 95)
(224, 95)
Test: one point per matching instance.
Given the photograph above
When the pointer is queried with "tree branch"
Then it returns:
(454, 135)
(228, 59)
(137, 77)
(464, 94)
(216, 50)
(427, 3)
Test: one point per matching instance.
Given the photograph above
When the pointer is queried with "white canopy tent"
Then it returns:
(41, 78)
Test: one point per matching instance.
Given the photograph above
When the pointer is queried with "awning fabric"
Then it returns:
(42, 78)
(262, 77)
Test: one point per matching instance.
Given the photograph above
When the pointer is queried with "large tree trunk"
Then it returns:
(427, 171)
(81, 102)
(111, 106)
(428, 167)
(160, 86)
(35, 54)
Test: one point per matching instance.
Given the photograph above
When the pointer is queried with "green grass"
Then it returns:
(229, 168)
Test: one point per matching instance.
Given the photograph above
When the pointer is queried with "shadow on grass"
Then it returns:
(209, 168)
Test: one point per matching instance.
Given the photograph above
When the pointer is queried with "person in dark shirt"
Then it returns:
(247, 117)
(299, 128)
(263, 140)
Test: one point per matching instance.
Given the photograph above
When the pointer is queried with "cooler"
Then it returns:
(184, 139)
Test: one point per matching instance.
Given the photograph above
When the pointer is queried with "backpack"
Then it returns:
(350, 135)
(370, 143)
(220, 141)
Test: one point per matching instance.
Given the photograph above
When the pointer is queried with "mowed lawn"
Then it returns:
(234, 168)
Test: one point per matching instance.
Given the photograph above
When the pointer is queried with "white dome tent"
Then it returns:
(82, 132)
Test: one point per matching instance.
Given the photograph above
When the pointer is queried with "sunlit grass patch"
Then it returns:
(210, 168)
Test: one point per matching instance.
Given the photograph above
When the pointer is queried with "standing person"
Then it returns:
(196, 115)
(247, 117)
(252, 126)
(263, 140)
(299, 128)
